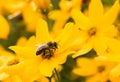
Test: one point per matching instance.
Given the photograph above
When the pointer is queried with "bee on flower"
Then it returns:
(51, 53)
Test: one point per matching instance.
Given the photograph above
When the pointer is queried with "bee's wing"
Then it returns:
(38, 50)
(38, 45)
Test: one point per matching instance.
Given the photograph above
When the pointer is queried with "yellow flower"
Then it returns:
(46, 64)
(4, 28)
(95, 70)
(96, 27)
(29, 73)
(31, 18)
(61, 16)
(25, 70)
(28, 66)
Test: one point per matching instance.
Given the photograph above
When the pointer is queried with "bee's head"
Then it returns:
(52, 44)
(55, 44)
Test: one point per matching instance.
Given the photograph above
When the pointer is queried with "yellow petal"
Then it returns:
(25, 52)
(42, 33)
(43, 4)
(72, 38)
(85, 48)
(4, 28)
(80, 19)
(100, 44)
(115, 72)
(16, 79)
(31, 41)
(64, 34)
(95, 10)
(111, 31)
(114, 45)
(3, 63)
(31, 68)
(3, 76)
(54, 15)
(115, 79)
(115, 58)
(110, 16)
(61, 57)
(58, 25)
(47, 67)
(77, 4)
(21, 41)
(85, 67)
(96, 78)
(31, 18)
(13, 6)
(78, 39)
(60, 20)
(16, 68)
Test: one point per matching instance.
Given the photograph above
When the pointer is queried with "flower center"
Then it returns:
(108, 50)
(13, 62)
(92, 31)
(47, 50)
(101, 69)
(108, 80)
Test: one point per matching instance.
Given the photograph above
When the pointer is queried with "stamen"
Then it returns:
(101, 68)
(108, 80)
(108, 50)
(92, 31)
(13, 62)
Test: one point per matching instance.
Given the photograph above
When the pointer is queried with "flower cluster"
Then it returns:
(60, 41)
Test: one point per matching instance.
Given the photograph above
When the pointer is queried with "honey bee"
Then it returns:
(47, 49)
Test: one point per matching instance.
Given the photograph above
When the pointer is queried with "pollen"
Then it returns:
(108, 50)
(101, 68)
(13, 62)
(92, 31)
(108, 80)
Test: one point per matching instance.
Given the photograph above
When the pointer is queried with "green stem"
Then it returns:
(49, 78)
(56, 74)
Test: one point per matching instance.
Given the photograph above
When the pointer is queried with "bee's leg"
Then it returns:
(52, 52)
(53, 49)
(49, 54)
(43, 55)
(46, 53)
